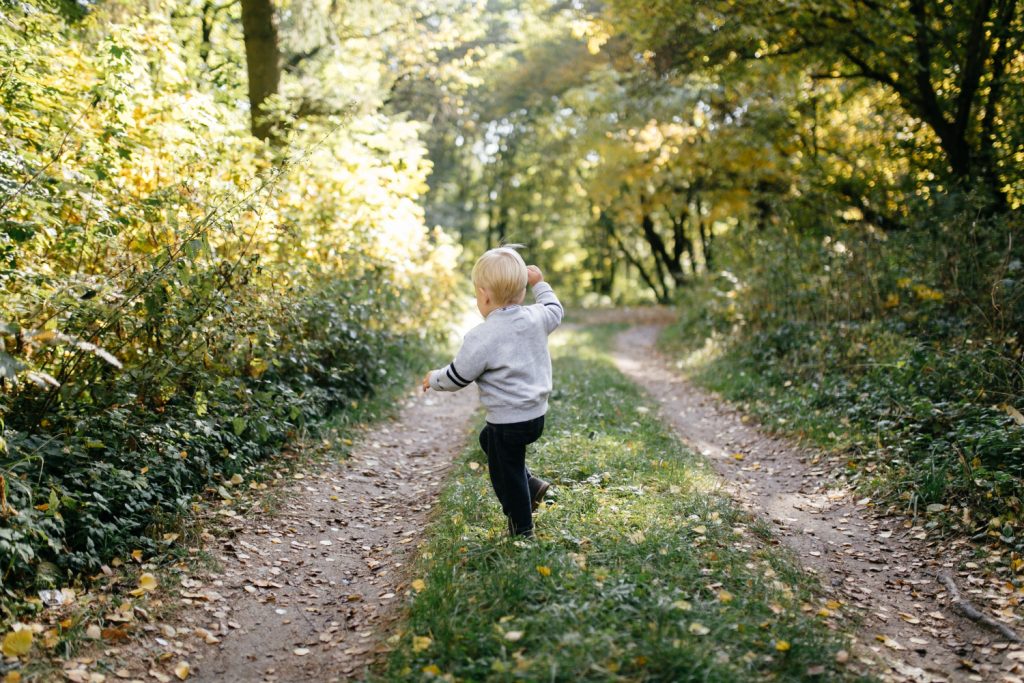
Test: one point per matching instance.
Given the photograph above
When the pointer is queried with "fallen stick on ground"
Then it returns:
(968, 610)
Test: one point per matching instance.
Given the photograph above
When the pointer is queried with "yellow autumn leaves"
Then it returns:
(17, 643)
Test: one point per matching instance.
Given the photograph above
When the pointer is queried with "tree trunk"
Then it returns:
(263, 61)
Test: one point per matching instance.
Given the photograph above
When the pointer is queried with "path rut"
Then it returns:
(878, 566)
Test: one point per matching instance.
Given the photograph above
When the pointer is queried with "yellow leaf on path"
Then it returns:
(699, 629)
(418, 585)
(1012, 412)
(543, 571)
(147, 583)
(236, 479)
(182, 670)
(421, 643)
(889, 642)
(782, 645)
(137, 555)
(12, 677)
(17, 643)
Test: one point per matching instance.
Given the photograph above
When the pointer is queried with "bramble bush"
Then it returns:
(179, 299)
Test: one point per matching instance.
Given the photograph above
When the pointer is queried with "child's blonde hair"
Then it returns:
(502, 272)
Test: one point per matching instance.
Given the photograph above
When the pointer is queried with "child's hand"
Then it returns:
(533, 275)
(426, 381)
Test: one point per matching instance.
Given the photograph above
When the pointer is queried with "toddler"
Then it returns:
(507, 356)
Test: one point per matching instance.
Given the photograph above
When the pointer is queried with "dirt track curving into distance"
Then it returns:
(883, 569)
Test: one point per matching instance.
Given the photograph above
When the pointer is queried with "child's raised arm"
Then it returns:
(542, 292)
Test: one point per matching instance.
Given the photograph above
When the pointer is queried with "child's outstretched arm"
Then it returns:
(470, 362)
(542, 292)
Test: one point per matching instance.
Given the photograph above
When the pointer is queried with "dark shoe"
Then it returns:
(527, 533)
(538, 489)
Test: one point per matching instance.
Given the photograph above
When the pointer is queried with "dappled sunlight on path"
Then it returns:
(878, 568)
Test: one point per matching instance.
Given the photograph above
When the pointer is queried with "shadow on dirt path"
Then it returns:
(878, 567)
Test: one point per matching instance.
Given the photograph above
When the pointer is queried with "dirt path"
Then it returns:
(307, 593)
(878, 566)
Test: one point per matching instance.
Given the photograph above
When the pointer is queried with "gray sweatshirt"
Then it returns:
(507, 356)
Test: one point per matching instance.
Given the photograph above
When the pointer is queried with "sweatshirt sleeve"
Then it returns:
(470, 362)
(552, 307)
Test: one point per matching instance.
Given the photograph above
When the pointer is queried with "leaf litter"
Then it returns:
(307, 591)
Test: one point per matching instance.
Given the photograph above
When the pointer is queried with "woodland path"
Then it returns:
(308, 591)
(881, 568)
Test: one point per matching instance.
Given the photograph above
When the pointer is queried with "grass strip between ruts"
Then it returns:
(643, 569)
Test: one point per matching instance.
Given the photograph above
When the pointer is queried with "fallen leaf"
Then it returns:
(842, 657)
(1012, 412)
(418, 585)
(889, 642)
(236, 479)
(474, 466)
(513, 636)
(699, 629)
(17, 643)
(782, 645)
(543, 571)
(725, 597)
(182, 670)
(421, 643)
(300, 651)
(432, 670)
(683, 605)
(12, 677)
(147, 582)
(93, 632)
(114, 635)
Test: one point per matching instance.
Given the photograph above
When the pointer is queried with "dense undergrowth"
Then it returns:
(177, 298)
(643, 569)
(906, 360)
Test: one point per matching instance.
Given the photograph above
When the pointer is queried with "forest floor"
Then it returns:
(309, 591)
(884, 568)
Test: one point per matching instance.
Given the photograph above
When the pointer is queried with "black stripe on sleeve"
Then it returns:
(455, 381)
(457, 377)
(559, 306)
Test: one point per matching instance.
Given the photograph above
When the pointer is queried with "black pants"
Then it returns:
(505, 446)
